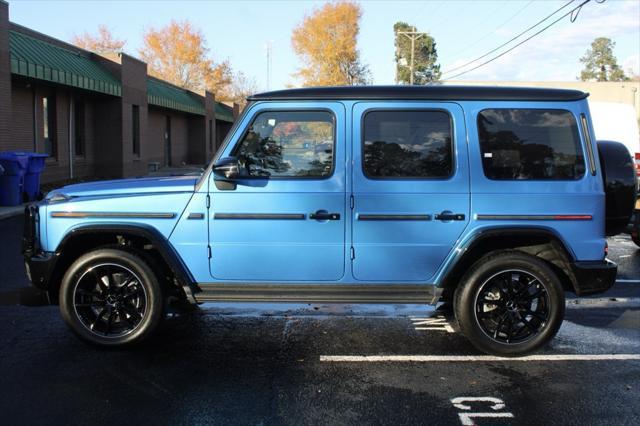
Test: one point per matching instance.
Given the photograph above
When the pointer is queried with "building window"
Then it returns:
(78, 127)
(288, 144)
(530, 144)
(410, 144)
(211, 136)
(135, 123)
(49, 125)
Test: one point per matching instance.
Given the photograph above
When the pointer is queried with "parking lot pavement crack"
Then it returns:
(274, 377)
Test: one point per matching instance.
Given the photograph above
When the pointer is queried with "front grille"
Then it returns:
(29, 240)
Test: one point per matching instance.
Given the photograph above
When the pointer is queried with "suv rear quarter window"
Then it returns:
(530, 144)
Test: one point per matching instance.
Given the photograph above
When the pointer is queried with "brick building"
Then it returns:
(97, 116)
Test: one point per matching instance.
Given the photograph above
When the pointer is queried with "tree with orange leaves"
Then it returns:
(326, 42)
(101, 43)
(178, 53)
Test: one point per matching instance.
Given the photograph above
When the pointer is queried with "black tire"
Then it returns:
(514, 293)
(111, 297)
(635, 239)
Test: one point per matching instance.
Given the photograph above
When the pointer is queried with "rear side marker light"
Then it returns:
(637, 163)
(573, 217)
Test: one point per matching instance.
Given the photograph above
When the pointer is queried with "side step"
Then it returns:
(318, 293)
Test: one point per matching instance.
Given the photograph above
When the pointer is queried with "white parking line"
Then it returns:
(438, 323)
(476, 358)
(604, 302)
(623, 281)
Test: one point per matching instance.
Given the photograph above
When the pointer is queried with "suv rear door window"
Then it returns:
(530, 144)
(407, 144)
(288, 144)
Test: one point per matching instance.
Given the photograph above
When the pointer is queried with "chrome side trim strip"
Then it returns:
(275, 216)
(198, 216)
(534, 217)
(367, 217)
(113, 215)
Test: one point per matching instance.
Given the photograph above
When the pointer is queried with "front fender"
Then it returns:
(147, 232)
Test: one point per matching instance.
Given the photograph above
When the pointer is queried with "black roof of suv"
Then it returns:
(435, 93)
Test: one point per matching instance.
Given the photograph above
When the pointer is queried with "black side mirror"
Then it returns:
(227, 168)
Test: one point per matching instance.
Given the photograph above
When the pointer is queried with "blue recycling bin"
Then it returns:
(32, 176)
(11, 181)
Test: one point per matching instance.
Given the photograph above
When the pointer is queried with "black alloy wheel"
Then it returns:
(109, 300)
(512, 306)
(111, 297)
(509, 303)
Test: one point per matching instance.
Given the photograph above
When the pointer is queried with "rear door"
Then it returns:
(285, 220)
(411, 198)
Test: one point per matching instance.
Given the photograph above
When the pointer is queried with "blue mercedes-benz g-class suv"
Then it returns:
(495, 199)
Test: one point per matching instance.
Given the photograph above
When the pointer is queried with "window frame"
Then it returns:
(584, 156)
(363, 117)
(49, 125)
(211, 132)
(135, 130)
(79, 138)
(587, 139)
(239, 141)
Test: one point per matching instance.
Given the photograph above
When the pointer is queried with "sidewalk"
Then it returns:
(6, 212)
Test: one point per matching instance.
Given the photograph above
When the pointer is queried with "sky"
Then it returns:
(463, 30)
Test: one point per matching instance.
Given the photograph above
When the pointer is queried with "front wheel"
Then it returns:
(111, 297)
(509, 303)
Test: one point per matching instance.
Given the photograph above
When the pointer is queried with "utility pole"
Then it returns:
(269, 47)
(413, 36)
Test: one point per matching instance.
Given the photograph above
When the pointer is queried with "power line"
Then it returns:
(577, 8)
(511, 18)
(510, 40)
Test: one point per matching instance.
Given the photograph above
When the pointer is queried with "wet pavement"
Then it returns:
(294, 364)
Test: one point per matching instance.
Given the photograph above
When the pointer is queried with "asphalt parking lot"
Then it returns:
(308, 364)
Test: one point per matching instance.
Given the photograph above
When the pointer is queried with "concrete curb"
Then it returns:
(7, 212)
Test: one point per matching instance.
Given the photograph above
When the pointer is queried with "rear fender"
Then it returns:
(539, 241)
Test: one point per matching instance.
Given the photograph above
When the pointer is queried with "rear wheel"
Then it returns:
(111, 297)
(509, 303)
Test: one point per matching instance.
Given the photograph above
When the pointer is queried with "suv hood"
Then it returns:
(131, 186)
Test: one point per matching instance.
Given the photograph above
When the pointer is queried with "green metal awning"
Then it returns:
(35, 58)
(38, 59)
(224, 113)
(169, 96)
(173, 97)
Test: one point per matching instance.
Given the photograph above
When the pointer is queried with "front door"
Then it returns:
(285, 219)
(410, 188)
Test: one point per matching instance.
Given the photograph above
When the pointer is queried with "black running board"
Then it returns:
(318, 293)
